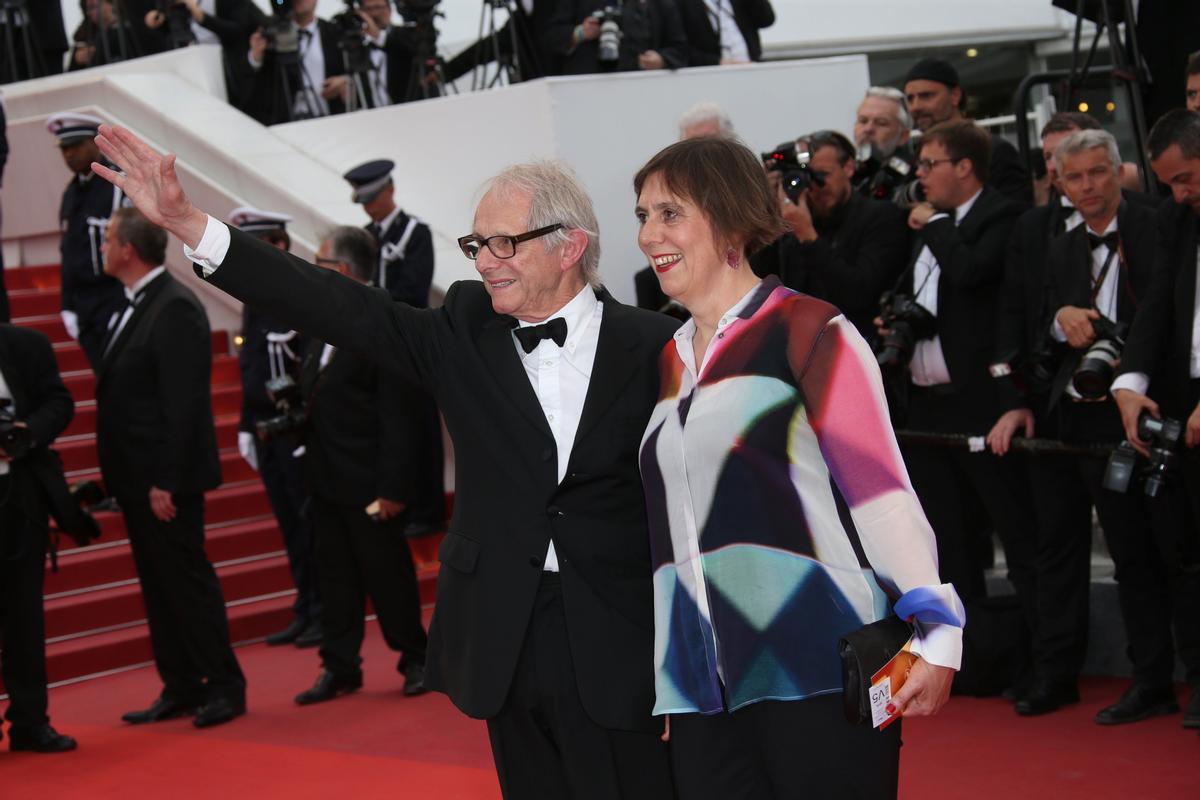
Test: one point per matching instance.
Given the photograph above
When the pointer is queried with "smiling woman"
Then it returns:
(771, 420)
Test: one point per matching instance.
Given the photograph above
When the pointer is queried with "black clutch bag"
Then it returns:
(864, 652)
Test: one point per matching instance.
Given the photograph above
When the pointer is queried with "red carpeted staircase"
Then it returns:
(95, 621)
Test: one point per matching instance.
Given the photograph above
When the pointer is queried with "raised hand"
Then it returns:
(149, 180)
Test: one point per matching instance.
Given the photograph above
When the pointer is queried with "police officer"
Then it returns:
(89, 296)
(270, 351)
(405, 270)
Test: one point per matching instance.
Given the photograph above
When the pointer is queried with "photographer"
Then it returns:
(724, 31)
(842, 248)
(271, 352)
(228, 23)
(946, 343)
(298, 69)
(624, 35)
(1095, 277)
(112, 31)
(1162, 359)
(361, 471)
(882, 128)
(37, 408)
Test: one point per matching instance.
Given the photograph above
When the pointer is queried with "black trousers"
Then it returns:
(23, 534)
(284, 481)
(189, 631)
(358, 559)
(543, 741)
(951, 481)
(782, 750)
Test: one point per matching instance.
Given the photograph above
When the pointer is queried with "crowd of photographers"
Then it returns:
(290, 64)
(1039, 358)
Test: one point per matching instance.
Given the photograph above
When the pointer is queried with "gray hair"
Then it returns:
(897, 97)
(1091, 139)
(356, 248)
(556, 196)
(706, 112)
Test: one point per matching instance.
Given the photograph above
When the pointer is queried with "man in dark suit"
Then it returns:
(530, 19)
(1096, 275)
(724, 31)
(956, 272)
(652, 36)
(843, 248)
(34, 401)
(361, 464)
(158, 455)
(271, 351)
(544, 621)
(1162, 360)
(934, 95)
(311, 82)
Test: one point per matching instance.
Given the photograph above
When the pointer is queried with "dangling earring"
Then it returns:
(731, 258)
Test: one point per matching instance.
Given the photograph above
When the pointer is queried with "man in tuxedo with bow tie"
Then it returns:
(544, 618)
(158, 455)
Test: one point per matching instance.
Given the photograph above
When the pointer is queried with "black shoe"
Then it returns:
(327, 687)
(161, 709)
(1191, 714)
(1139, 702)
(310, 637)
(218, 711)
(414, 679)
(288, 635)
(1046, 696)
(42, 739)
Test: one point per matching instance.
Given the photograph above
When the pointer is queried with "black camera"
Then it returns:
(351, 41)
(1095, 372)
(282, 33)
(791, 160)
(15, 440)
(907, 322)
(609, 42)
(291, 416)
(880, 176)
(1162, 437)
(179, 22)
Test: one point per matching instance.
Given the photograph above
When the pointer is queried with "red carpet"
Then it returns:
(378, 744)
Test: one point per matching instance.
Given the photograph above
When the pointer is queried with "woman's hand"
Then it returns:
(925, 692)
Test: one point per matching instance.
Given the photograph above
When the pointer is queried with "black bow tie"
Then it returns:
(1110, 240)
(529, 337)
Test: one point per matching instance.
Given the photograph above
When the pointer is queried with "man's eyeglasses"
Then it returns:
(928, 164)
(502, 246)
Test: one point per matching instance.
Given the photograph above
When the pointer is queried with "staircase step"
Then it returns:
(70, 357)
(45, 276)
(33, 302)
(225, 372)
(225, 400)
(229, 503)
(79, 452)
(49, 324)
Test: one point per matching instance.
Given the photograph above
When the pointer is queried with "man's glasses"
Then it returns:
(502, 246)
(927, 164)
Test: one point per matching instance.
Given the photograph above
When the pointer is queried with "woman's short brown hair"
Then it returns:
(727, 182)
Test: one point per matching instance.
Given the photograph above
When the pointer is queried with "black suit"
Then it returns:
(859, 253)
(970, 257)
(704, 42)
(535, 60)
(233, 23)
(154, 428)
(266, 100)
(1008, 175)
(44, 404)
(509, 503)
(364, 423)
(645, 25)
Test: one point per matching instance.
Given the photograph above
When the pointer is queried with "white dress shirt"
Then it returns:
(1106, 298)
(928, 366)
(379, 70)
(733, 44)
(131, 294)
(560, 377)
(309, 101)
(6, 394)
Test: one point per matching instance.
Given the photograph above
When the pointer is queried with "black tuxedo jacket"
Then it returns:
(663, 32)
(1160, 342)
(971, 258)
(39, 397)
(509, 503)
(1069, 277)
(704, 44)
(1008, 175)
(154, 424)
(364, 429)
(265, 100)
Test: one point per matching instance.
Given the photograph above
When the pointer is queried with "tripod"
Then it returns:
(101, 45)
(504, 50)
(427, 75)
(14, 16)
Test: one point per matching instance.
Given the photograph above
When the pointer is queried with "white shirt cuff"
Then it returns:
(939, 215)
(1056, 330)
(938, 643)
(212, 249)
(1133, 381)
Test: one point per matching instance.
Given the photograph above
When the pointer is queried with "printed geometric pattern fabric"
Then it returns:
(781, 516)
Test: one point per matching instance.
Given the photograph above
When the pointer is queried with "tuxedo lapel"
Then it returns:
(612, 369)
(1185, 294)
(1073, 274)
(500, 354)
(150, 293)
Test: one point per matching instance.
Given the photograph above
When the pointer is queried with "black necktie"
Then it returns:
(1110, 240)
(529, 337)
(305, 40)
